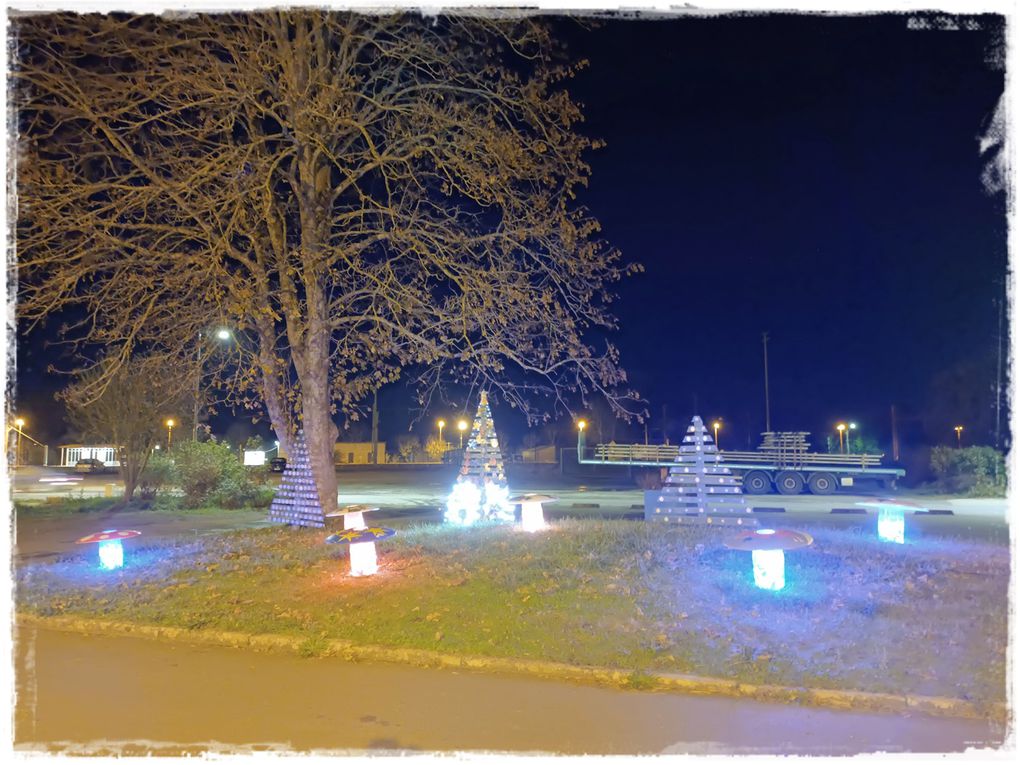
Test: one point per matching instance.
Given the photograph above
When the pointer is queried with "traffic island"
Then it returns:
(858, 624)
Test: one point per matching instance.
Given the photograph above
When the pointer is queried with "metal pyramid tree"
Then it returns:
(480, 492)
(699, 488)
(297, 500)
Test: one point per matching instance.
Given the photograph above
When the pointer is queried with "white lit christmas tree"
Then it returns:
(699, 488)
(480, 492)
(296, 501)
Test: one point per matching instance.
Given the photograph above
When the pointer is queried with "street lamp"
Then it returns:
(715, 426)
(959, 442)
(20, 422)
(441, 424)
(223, 335)
(169, 432)
(853, 426)
(461, 426)
(581, 425)
(841, 427)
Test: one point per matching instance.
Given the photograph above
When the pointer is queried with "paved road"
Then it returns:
(134, 696)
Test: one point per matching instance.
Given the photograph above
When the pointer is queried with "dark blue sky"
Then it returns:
(814, 177)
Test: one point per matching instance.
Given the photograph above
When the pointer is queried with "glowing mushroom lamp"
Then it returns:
(891, 513)
(361, 539)
(111, 551)
(363, 560)
(767, 548)
(532, 517)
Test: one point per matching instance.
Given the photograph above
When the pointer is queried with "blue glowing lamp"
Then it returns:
(768, 559)
(111, 549)
(891, 513)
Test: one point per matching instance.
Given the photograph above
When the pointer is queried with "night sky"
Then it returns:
(815, 177)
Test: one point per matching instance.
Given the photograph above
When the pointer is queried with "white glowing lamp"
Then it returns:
(111, 549)
(363, 557)
(768, 559)
(464, 505)
(361, 538)
(532, 517)
(891, 518)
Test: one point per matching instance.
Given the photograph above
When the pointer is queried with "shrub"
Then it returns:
(157, 476)
(978, 471)
(210, 474)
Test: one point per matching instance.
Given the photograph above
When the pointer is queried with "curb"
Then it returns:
(858, 701)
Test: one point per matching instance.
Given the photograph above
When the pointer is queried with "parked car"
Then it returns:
(91, 466)
(278, 464)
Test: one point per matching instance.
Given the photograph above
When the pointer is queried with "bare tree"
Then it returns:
(356, 195)
(130, 412)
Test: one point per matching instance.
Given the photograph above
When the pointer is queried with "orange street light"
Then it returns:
(581, 425)
(841, 427)
(715, 426)
(461, 426)
(20, 422)
(441, 424)
(169, 432)
(959, 442)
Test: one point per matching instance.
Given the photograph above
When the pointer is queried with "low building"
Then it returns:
(105, 453)
(358, 453)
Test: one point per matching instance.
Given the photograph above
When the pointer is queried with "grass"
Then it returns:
(928, 617)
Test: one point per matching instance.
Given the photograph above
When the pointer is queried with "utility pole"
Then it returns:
(765, 348)
(375, 427)
(998, 378)
(895, 435)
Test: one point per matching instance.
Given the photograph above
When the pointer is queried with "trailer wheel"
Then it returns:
(757, 482)
(788, 482)
(822, 483)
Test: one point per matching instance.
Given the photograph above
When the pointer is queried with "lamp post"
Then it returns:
(20, 422)
(169, 433)
(441, 424)
(959, 431)
(223, 335)
(841, 427)
(461, 426)
(581, 425)
(853, 426)
(715, 427)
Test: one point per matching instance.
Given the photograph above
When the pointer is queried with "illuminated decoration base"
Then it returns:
(890, 525)
(769, 569)
(480, 493)
(363, 561)
(699, 487)
(296, 501)
(532, 517)
(111, 554)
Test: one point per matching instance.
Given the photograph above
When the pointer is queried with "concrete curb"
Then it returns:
(857, 701)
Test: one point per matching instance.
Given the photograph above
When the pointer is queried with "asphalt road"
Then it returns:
(119, 695)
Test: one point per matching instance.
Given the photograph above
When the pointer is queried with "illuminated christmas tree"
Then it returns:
(699, 488)
(296, 502)
(480, 492)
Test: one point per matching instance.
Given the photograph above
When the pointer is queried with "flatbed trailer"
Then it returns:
(771, 467)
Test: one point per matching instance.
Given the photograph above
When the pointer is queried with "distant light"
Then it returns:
(20, 422)
(841, 427)
(462, 425)
(853, 426)
(170, 423)
(223, 334)
(581, 424)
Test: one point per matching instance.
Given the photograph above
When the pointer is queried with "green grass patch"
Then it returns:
(928, 617)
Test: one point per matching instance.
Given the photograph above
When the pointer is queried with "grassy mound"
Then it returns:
(928, 617)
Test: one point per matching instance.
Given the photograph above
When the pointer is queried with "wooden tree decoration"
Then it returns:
(297, 500)
(480, 492)
(699, 488)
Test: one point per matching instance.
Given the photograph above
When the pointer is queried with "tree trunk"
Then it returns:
(320, 435)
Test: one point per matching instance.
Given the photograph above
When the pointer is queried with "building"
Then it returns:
(71, 453)
(358, 453)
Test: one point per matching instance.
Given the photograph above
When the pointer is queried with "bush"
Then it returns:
(978, 471)
(157, 476)
(210, 474)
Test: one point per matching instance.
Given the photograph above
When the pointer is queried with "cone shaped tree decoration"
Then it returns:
(297, 500)
(480, 492)
(699, 488)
